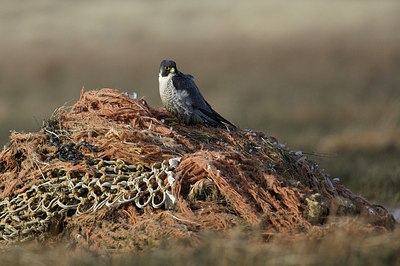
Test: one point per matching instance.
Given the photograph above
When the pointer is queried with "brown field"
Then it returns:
(239, 249)
(323, 78)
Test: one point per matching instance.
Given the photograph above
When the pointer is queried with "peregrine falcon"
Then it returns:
(180, 96)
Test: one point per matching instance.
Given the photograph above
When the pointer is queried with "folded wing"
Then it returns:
(190, 94)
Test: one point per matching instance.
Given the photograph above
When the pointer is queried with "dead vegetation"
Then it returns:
(218, 180)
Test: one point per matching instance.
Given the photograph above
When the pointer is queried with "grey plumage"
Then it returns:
(181, 96)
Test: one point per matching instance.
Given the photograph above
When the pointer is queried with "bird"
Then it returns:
(181, 96)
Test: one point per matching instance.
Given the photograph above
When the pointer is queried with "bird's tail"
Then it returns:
(213, 118)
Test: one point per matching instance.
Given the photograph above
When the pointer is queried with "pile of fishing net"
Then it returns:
(112, 173)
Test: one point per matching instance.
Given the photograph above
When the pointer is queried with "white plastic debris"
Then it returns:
(173, 162)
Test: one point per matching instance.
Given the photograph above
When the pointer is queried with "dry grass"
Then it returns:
(343, 245)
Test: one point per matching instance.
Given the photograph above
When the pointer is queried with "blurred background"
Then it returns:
(322, 77)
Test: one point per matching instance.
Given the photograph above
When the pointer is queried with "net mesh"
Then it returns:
(112, 173)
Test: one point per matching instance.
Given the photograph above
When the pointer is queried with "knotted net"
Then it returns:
(112, 173)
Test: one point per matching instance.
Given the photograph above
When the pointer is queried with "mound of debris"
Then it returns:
(112, 173)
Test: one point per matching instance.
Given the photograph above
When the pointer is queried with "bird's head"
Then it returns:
(167, 67)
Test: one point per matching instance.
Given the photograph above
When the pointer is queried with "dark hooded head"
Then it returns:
(166, 67)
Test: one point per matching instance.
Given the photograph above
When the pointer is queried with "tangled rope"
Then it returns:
(63, 193)
(53, 183)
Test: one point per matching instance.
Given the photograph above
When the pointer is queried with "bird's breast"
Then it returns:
(167, 91)
(163, 83)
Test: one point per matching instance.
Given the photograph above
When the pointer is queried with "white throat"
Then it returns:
(163, 82)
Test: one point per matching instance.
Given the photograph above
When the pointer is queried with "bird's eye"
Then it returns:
(166, 68)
